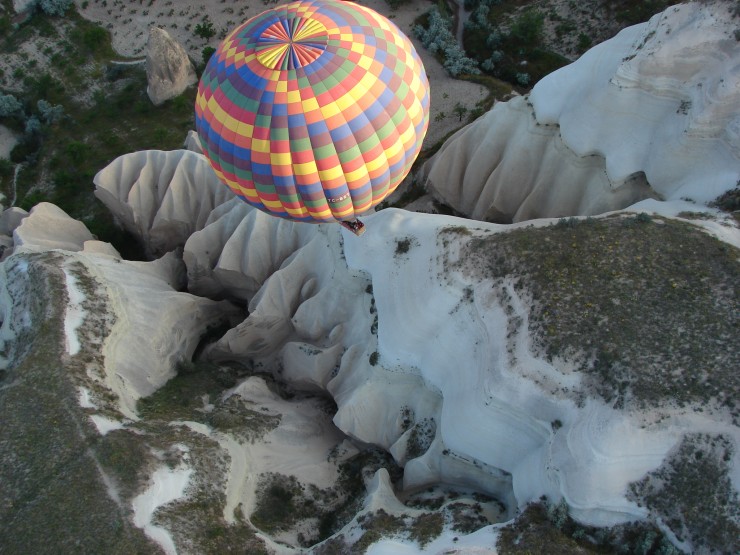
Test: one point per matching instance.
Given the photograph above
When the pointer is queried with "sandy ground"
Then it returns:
(129, 23)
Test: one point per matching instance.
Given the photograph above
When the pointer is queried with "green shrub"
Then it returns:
(403, 245)
(527, 28)
(207, 53)
(94, 37)
(278, 502)
(205, 30)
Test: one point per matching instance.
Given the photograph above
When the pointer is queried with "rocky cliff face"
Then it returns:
(651, 113)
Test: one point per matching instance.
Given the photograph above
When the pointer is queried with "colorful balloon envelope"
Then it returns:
(313, 111)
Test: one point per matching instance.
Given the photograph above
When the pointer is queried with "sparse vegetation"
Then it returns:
(377, 525)
(730, 202)
(283, 502)
(630, 12)
(404, 245)
(421, 437)
(435, 33)
(280, 503)
(509, 44)
(650, 306)
(692, 493)
(466, 518)
(50, 448)
(80, 98)
(426, 527)
(547, 528)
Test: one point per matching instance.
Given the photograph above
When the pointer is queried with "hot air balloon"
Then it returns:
(313, 111)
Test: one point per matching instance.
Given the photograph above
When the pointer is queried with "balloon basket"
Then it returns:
(356, 227)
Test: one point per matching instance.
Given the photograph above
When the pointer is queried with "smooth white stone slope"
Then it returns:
(650, 113)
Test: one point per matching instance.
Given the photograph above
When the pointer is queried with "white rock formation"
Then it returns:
(487, 419)
(651, 113)
(184, 194)
(192, 142)
(153, 325)
(415, 351)
(236, 256)
(49, 227)
(169, 70)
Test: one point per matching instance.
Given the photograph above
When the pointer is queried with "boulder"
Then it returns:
(169, 71)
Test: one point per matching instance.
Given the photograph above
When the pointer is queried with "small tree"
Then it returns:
(459, 110)
(205, 30)
(33, 126)
(10, 106)
(207, 53)
(50, 114)
(527, 29)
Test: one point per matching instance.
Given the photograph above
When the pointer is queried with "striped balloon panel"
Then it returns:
(314, 110)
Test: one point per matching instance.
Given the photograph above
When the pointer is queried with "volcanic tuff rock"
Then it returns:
(154, 325)
(366, 333)
(185, 193)
(169, 71)
(440, 340)
(650, 113)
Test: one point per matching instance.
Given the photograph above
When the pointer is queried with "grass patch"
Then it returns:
(649, 308)
(422, 529)
(200, 525)
(426, 528)
(631, 12)
(125, 457)
(466, 518)
(196, 522)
